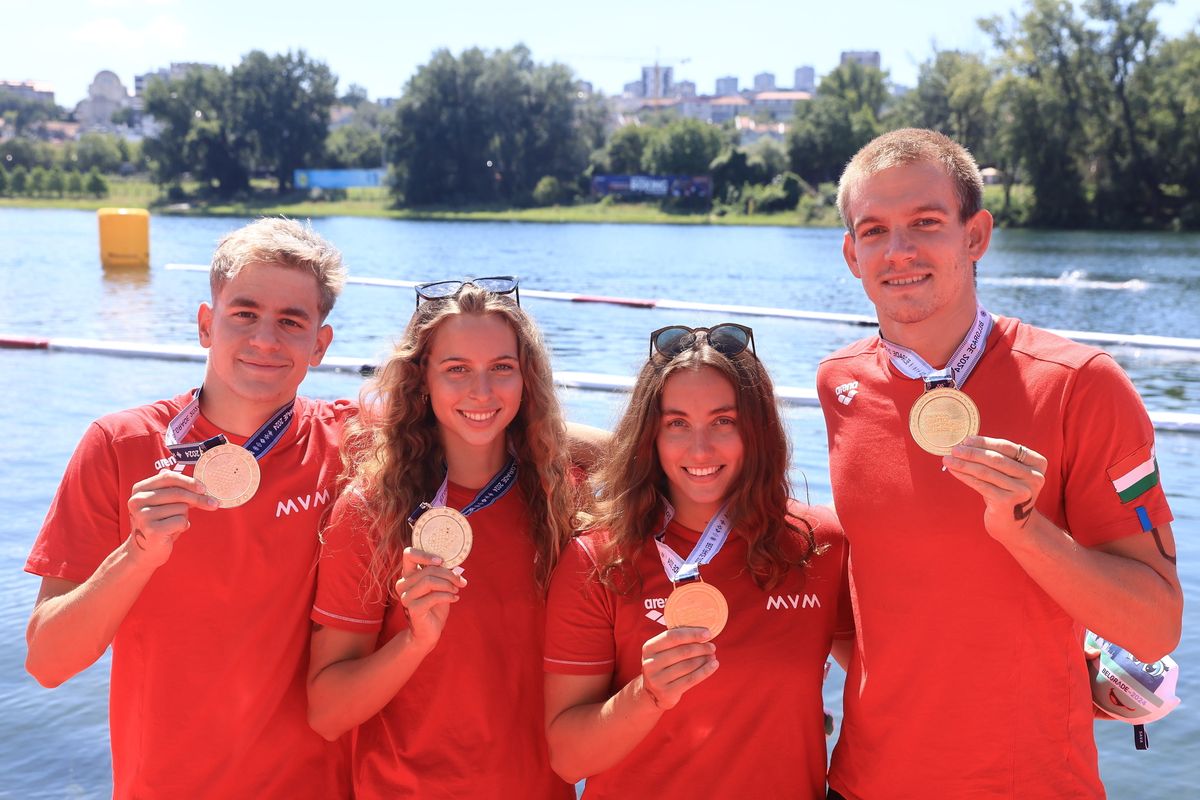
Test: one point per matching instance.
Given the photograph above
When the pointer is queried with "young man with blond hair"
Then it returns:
(203, 590)
(999, 491)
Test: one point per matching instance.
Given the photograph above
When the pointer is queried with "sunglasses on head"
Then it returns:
(728, 339)
(441, 290)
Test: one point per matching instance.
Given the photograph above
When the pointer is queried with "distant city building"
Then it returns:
(29, 90)
(727, 86)
(657, 81)
(764, 82)
(583, 88)
(750, 130)
(806, 80)
(780, 104)
(868, 58)
(177, 70)
(727, 107)
(634, 89)
(106, 96)
(685, 89)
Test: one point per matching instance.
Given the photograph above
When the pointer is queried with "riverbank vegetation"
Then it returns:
(1085, 116)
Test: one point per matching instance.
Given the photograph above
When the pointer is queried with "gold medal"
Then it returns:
(443, 532)
(699, 605)
(942, 418)
(229, 472)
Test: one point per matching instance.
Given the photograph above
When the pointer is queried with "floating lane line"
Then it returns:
(1087, 337)
(588, 381)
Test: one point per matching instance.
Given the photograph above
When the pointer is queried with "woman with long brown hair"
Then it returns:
(699, 559)
(459, 451)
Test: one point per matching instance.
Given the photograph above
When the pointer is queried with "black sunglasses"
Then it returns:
(441, 290)
(729, 339)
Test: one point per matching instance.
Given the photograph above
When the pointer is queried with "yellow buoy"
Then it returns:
(124, 237)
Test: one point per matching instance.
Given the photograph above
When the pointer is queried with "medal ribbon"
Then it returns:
(496, 488)
(259, 443)
(715, 534)
(958, 368)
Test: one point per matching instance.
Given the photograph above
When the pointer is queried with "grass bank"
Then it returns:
(134, 193)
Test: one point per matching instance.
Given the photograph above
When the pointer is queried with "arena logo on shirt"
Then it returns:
(846, 392)
(654, 609)
(790, 601)
(302, 502)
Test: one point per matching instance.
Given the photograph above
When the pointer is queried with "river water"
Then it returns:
(55, 743)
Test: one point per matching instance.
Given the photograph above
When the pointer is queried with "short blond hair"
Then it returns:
(911, 146)
(277, 240)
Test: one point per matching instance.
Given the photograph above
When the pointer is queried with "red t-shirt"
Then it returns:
(469, 722)
(208, 694)
(752, 729)
(967, 679)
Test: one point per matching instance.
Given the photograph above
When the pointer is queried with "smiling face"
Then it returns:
(263, 331)
(913, 254)
(473, 377)
(699, 445)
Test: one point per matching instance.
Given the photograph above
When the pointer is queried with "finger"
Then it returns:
(990, 466)
(1012, 451)
(168, 478)
(428, 603)
(661, 674)
(414, 558)
(682, 652)
(674, 637)
(412, 590)
(146, 500)
(687, 680)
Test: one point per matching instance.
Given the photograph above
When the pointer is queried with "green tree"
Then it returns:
(37, 180)
(1050, 52)
(99, 150)
(823, 137)
(26, 115)
(485, 127)
(279, 111)
(548, 192)
(96, 185)
(352, 146)
(951, 97)
(3, 181)
(858, 86)
(625, 149)
(74, 184)
(682, 147)
(196, 135)
(20, 151)
(19, 181)
(56, 182)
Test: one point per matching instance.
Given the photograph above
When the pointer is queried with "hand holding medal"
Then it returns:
(155, 515)
(1008, 476)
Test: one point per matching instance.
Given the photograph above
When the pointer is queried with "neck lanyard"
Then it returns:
(961, 364)
(259, 443)
(715, 534)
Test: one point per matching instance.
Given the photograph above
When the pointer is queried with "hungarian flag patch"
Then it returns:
(1135, 474)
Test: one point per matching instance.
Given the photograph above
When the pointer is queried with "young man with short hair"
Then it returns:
(202, 582)
(999, 491)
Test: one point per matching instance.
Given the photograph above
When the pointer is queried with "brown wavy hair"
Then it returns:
(393, 455)
(631, 484)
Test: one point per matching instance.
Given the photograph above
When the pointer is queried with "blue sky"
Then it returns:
(380, 44)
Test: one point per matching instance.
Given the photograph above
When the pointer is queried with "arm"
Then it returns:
(72, 624)
(349, 681)
(587, 444)
(1126, 590)
(588, 733)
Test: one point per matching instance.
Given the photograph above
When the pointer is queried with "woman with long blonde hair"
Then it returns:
(441, 674)
(696, 538)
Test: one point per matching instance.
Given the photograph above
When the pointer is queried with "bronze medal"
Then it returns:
(443, 532)
(699, 605)
(942, 418)
(230, 473)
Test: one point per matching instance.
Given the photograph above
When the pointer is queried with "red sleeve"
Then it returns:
(83, 525)
(1111, 482)
(828, 531)
(346, 598)
(580, 615)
